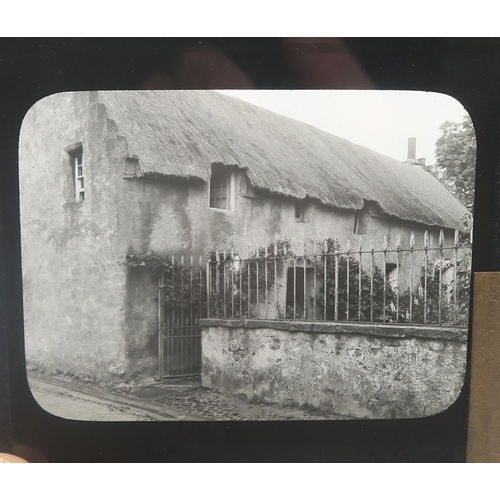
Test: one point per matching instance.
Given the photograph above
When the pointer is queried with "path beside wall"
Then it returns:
(348, 370)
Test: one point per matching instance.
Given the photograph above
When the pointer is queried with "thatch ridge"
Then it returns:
(182, 132)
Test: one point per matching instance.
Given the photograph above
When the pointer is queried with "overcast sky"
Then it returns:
(379, 120)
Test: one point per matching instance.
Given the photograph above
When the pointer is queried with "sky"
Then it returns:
(381, 120)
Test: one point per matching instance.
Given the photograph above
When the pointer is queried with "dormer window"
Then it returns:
(299, 212)
(360, 222)
(221, 190)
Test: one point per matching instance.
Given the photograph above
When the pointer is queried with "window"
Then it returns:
(299, 212)
(131, 168)
(360, 222)
(221, 191)
(77, 163)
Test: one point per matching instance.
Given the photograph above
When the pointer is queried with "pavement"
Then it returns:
(182, 399)
(82, 403)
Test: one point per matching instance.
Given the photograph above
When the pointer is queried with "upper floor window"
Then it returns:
(299, 212)
(221, 190)
(76, 155)
(360, 222)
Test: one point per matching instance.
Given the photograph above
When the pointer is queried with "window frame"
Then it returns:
(361, 222)
(77, 160)
(299, 207)
(75, 153)
(229, 176)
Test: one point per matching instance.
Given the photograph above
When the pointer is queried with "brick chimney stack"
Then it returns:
(412, 148)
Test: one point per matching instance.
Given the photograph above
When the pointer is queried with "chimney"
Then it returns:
(421, 162)
(412, 148)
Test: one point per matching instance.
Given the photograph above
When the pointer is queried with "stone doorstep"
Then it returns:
(445, 333)
(144, 404)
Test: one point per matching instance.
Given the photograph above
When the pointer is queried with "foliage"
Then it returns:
(372, 294)
(238, 287)
(463, 285)
(149, 260)
(184, 286)
(184, 290)
(437, 301)
(456, 159)
(427, 308)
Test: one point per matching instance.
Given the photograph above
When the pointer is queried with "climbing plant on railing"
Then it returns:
(333, 284)
(353, 303)
(182, 281)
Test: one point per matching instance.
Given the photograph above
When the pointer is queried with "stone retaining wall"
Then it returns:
(347, 370)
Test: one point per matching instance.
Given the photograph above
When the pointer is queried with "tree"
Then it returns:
(456, 159)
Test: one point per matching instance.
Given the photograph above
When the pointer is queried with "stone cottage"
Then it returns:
(104, 175)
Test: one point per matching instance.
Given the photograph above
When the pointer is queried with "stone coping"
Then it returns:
(434, 332)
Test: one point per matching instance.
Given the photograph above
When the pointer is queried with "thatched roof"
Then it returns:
(182, 132)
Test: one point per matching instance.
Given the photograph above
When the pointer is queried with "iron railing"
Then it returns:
(400, 283)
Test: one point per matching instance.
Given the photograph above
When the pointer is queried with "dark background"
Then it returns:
(467, 69)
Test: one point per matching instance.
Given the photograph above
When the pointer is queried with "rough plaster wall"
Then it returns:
(172, 217)
(155, 216)
(73, 277)
(141, 325)
(352, 376)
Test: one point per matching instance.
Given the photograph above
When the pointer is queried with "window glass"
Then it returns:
(220, 187)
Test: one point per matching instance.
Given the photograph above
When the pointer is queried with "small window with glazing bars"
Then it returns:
(299, 212)
(220, 191)
(77, 161)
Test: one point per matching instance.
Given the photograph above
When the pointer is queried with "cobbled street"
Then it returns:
(215, 406)
(178, 399)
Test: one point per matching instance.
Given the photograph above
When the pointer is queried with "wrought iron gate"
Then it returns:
(181, 303)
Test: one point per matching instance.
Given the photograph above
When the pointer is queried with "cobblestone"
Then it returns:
(174, 399)
(215, 406)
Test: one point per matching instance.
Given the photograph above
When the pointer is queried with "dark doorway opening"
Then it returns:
(298, 288)
(295, 288)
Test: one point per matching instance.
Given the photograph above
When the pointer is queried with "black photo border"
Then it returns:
(466, 69)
